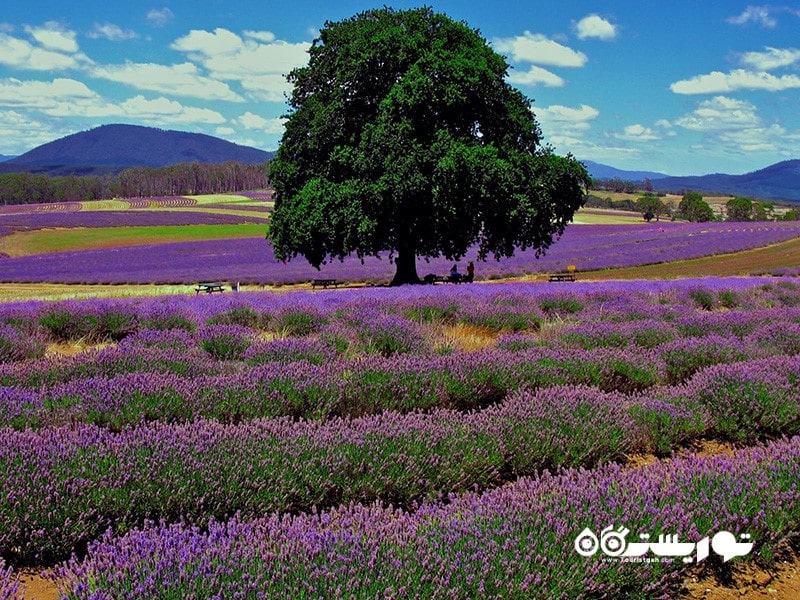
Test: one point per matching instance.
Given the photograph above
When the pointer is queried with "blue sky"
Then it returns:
(679, 87)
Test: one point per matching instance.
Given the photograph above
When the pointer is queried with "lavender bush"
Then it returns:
(513, 542)
(18, 344)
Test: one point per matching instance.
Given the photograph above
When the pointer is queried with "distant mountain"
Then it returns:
(599, 171)
(111, 148)
(780, 181)
(4, 157)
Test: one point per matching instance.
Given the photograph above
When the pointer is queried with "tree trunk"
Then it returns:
(406, 262)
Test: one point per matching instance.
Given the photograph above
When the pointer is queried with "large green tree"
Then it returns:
(739, 209)
(694, 208)
(404, 136)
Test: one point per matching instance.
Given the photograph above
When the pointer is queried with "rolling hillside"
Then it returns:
(780, 181)
(600, 171)
(111, 148)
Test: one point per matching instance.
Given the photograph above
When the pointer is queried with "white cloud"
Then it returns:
(638, 133)
(19, 132)
(755, 14)
(565, 126)
(70, 98)
(42, 94)
(557, 113)
(202, 44)
(224, 131)
(771, 58)
(21, 54)
(535, 76)
(594, 26)
(227, 56)
(252, 121)
(261, 36)
(160, 17)
(734, 126)
(169, 111)
(721, 113)
(755, 139)
(717, 82)
(538, 49)
(53, 36)
(266, 88)
(182, 80)
(112, 32)
(259, 63)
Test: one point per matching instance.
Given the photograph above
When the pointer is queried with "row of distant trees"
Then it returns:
(622, 186)
(693, 207)
(183, 179)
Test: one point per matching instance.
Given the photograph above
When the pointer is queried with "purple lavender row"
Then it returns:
(10, 588)
(68, 484)
(126, 218)
(124, 386)
(513, 542)
(55, 207)
(589, 247)
(636, 299)
(174, 369)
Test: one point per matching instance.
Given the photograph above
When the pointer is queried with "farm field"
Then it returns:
(426, 441)
(420, 442)
(191, 246)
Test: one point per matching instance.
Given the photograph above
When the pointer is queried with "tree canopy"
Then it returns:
(739, 209)
(693, 208)
(651, 205)
(403, 136)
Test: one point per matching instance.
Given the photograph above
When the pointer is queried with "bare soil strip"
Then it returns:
(746, 262)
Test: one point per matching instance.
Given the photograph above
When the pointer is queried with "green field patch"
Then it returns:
(46, 241)
(599, 216)
(256, 216)
(93, 205)
(225, 199)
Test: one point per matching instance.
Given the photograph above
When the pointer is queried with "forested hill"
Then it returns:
(112, 148)
(780, 181)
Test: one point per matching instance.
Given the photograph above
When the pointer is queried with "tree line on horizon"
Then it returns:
(693, 207)
(183, 179)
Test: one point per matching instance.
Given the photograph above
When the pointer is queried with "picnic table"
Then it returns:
(208, 287)
(324, 283)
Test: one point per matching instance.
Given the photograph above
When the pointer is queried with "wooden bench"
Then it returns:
(431, 278)
(324, 283)
(562, 277)
(208, 288)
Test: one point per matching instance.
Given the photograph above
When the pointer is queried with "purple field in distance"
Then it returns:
(589, 247)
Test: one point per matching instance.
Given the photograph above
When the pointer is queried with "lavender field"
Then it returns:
(251, 260)
(429, 442)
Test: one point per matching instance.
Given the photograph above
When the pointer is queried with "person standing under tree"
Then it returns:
(470, 272)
